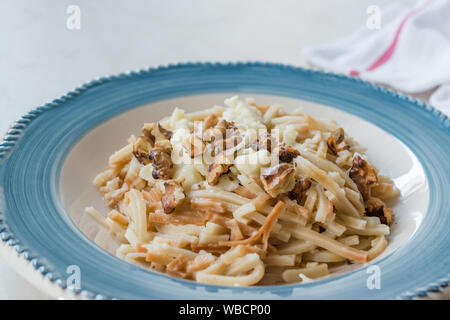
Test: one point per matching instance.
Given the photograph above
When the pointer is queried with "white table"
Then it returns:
(40, 59)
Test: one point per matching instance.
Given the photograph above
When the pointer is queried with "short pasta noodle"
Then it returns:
(244, 195)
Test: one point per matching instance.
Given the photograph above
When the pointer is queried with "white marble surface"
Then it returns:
(41, 59)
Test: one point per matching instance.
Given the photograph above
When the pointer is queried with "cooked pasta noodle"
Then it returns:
(244, 195)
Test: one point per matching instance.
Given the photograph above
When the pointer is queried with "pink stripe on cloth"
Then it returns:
(390, 50)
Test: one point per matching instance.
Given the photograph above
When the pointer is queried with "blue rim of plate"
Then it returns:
(33, 150)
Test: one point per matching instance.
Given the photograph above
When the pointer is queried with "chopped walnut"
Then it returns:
(388, 216)
(154, 147)
(224, 125)
(363, 175)
(336, 141)
(233, 138)
(216, 132)
(300, 187)
(215, 170)
(162, 163)
(141, 150)
(210, 121)
(377, 208)
(147, 130)
(193, 145)
(287, 153)
(155, 132)
(148, 135)
(173, 196)
(278, 179)
(224, 134)
(166, 133)
(264, 142)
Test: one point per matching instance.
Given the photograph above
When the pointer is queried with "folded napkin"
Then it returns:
(410, 52)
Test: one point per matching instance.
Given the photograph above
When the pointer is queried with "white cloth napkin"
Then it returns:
(410, 52)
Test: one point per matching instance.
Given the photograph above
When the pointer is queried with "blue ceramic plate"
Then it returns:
(49, 157)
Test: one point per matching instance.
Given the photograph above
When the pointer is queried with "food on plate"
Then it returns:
(245, 195)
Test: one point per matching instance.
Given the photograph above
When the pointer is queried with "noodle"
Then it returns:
(244, 195)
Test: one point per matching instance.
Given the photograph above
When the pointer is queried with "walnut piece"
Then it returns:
(148, 135)
(215, 133)
(166, 133)
(162, 163)
(264, 142)
(154, 147)
(336, 141)
(287, 153)
(156, 133)
(377, 208)
(193, 145)
(173, 196)
(278, 179)
(300, 187)
(363, 175)
(142, 148)
(210, 121)
(223, 135)
(215, 170)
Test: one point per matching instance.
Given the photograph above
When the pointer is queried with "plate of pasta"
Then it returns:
(231, 181)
